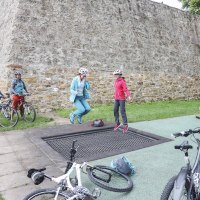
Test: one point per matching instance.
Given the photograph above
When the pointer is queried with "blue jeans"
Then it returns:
(82, 106)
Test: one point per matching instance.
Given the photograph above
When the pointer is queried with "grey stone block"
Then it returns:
(19, 192)
(8, 157)
(10, 167)
(13, 180)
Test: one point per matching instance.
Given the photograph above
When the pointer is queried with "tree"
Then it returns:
(192, 5)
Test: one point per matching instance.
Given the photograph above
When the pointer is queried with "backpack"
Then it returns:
(123, 165)
(97, 123)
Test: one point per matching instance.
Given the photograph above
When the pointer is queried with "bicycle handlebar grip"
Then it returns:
(196, 131)
(176, 134)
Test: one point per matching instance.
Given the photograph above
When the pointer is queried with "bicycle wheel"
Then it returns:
(8, 117)
(29, 113)
(46, 194)
(118, 182)
(167, 193)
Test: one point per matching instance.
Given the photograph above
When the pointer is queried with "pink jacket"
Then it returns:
(121, 90)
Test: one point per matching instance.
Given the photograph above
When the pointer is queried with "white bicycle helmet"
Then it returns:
(117, 72)
(18, 72)
(83, 71)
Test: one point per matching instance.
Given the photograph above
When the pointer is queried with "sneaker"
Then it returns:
(116, 126)
(71, 118)
(125, 129)
(80, 120)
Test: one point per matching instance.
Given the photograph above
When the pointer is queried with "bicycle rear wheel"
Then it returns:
(29, 113)
(8, 117)
(118, 182)
(46, 194)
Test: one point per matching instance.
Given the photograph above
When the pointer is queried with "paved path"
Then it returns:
(17, 154)
(154, 165)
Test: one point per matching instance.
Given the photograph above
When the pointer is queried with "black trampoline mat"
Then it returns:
(97, 144)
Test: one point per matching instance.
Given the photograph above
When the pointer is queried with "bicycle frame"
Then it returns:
(64, 180)
(66, 176)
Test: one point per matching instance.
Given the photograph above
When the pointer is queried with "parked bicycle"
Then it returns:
(185, 185)
(71, 188)
(29, 114)
(7, 120)
(29, 110)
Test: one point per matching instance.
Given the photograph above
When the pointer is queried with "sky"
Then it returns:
(172, 3)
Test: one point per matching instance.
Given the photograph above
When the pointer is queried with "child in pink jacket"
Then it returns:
(120, 94)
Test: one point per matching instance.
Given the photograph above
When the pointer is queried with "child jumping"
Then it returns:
(121, 92)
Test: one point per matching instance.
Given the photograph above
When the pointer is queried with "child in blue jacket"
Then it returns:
(78, 95)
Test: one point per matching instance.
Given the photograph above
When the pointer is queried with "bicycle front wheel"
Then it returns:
(46, 194)
(167, 193)
(8, 117)
(116, 182)
(29, 113)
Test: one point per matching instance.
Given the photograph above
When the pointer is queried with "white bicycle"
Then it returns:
(69, 188)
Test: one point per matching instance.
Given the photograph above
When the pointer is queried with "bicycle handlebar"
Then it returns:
(185, 133)
(24, 94)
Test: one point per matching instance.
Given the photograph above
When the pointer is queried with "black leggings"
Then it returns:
(121, 104)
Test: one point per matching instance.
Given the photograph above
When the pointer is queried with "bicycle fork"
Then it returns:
(57, 192)
(181, 179)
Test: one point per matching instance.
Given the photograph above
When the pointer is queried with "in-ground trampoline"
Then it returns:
(102, 142)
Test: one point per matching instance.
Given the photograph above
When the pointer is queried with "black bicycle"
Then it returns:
(185, 185)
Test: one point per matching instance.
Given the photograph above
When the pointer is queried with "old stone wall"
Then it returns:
(8, 10)
(157, 47)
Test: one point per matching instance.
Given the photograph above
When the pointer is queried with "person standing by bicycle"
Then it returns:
(121, 92)
(78, 95)
(17, 91)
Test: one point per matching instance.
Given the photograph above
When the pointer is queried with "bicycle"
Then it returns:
(69, 188)
(8, 116)
(185, 185)
(29, 114)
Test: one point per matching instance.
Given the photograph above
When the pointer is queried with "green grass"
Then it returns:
(39, 122)
(1, 198)
(142, 111)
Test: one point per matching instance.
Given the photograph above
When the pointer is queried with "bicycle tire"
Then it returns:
(6, 121)
(47, 194)
(168, 190)
(118, 183)
(29, 113)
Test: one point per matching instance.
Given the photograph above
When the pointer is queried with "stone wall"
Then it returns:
(8, 10)
(157, 47)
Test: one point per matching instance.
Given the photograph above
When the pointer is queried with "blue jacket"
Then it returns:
(18, 86)
(74, 89)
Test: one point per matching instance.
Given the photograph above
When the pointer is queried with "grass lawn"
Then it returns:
(142, 111)
(1, 198)
(39, 122)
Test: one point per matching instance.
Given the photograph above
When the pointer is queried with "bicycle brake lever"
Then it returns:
(43, 169)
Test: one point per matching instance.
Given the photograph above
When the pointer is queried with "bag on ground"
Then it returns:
(97, 123)
(123, 165)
